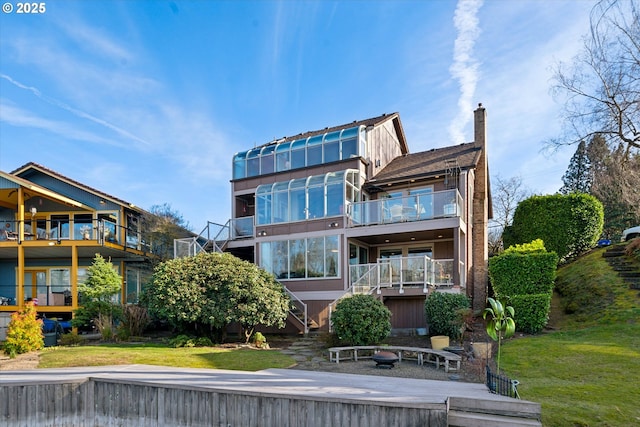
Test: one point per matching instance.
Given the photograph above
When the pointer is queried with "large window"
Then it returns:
(316, 257)
(286, 155)
(317, 196)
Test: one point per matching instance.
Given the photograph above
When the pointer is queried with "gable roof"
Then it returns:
(21, 182)
(26, 170)
(373, 121)
(429, 163)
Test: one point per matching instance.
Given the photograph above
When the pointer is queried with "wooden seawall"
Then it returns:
(157, 396)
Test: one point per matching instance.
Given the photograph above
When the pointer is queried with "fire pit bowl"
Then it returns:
(385, 359)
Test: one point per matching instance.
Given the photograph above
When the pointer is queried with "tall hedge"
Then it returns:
(568, 224)
(531, 311)
(520, 274)
(523, 277)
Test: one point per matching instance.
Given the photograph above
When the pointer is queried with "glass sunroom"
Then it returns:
(301, 153)
(314, 197)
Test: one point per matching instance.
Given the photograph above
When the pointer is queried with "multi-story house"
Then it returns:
(348, 209)
(51, 228)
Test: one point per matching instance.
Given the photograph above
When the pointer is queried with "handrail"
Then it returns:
(302, 308)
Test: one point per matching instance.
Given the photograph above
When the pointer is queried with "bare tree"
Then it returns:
(507, 194)
(601, 88)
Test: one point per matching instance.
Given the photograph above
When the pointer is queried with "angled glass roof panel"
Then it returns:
(316, 180)
(283, 146)
(298, 183)
(315, 140)
(350, 133)
(332, 137)
(300, 143)
(281, 186)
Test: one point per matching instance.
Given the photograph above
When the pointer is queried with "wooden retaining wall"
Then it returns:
(103, 402)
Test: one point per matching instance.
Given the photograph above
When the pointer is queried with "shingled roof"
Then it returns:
(26, 170)
(428, 163)
(374, 121)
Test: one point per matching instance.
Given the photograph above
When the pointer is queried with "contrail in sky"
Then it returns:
(74, 111)
(464, 68)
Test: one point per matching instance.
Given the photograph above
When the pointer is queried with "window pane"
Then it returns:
(315, 257)
(298, 149)
(253, 162)
(280, 259)
(267, 160)
(298, 208)
(349, 148)
(314, 150)
(283, 162)
(332, 255)
(263, 204)
(280, 206)
(331, 152)
(297, 259)
(239, 170)
(82, 229)
(266, 261)
(59, 226)
(132, 286)
(316, 202)
(335, 199)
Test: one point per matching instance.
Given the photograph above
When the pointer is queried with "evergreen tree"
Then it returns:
(577, 178)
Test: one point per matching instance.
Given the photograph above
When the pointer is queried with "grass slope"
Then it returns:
(586, 372)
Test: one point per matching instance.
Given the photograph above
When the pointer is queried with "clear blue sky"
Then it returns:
(149, 100)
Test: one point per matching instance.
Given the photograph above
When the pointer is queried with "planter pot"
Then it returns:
(482, 350)
(438, 342)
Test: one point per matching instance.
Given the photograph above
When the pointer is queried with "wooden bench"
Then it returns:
(420, 354)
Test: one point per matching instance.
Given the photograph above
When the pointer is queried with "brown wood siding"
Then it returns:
(406, 312)
(443, 250)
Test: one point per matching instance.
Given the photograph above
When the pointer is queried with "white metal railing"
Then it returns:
(417, 270)
(439, 204)
(298, 310)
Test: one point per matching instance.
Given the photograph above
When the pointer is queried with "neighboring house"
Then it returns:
(348, 209)
(51, 228)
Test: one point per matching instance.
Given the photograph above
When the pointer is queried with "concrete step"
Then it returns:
(471, 419)
(507, 407)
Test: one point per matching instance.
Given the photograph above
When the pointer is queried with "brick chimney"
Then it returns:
(480, 257)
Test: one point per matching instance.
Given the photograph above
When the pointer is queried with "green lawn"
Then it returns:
(245, 359)
(587, 372)
(585, 377)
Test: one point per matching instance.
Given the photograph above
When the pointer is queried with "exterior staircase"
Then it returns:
(627, 268)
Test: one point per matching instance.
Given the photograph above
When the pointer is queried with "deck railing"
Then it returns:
(440, 204)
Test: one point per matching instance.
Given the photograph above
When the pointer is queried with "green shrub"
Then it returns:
(514, 273)
(24, 332)
(361, 320)
(531, 311)
(445, 313)
(190, 341)
(71, 339)
(568, 224)
(260, 340)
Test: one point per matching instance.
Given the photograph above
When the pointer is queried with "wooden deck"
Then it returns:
(156, 395)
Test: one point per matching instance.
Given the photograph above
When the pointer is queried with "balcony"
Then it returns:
(400, 272)
(98, 230)
(440, 204)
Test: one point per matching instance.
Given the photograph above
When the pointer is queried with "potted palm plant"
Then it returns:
(501, 324)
